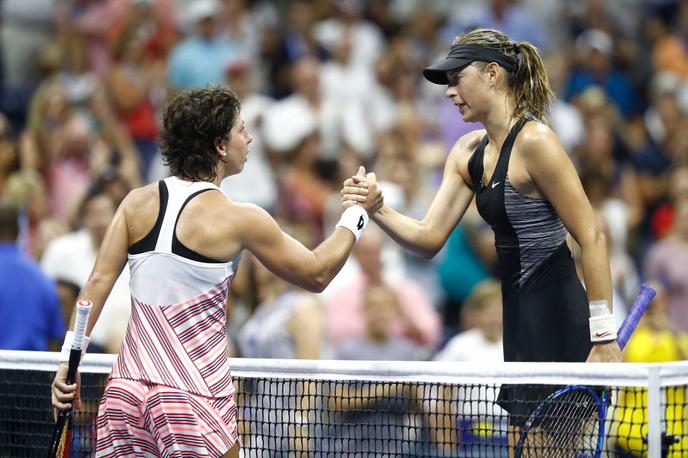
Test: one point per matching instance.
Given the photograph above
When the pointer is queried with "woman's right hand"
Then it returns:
(363, 190)
(65, 396)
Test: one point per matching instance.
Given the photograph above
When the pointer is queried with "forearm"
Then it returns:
(598, 282)
(329, 257)
(310, 270)
(97, 289)
(596, 271)
(407, 232)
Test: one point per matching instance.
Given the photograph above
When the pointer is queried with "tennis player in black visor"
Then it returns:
(528, 190)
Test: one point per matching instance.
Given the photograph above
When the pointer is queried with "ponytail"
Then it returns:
(532, 92)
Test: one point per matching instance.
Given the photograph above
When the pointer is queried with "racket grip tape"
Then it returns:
(645, 296)
(77, 339)
(83, 308)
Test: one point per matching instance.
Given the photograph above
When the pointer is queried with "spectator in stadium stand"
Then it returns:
(481, 319)
(9, 153)
(182, 266)
(465, 262)
(367, 42)
(480, 342)
(364, 410)
(502, 84)
(29, 307)
(69, 259)
(287, 323)
(381, 307)
(26, 189)
(131, 85)
(257, 183)
(200, 58)
(345, 304)
(667, 263)
(663, 218)
(596, 68)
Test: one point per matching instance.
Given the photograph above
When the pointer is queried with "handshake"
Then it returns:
(362, 189)
(361, 198)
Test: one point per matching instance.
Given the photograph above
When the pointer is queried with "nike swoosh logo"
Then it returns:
(602, 334)
(494, 185)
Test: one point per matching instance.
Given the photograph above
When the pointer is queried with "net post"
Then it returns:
(654, 426)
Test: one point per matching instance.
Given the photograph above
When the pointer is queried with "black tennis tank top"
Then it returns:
(527, 230)
(545, 305)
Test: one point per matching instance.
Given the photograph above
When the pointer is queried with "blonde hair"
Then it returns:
(529, 85)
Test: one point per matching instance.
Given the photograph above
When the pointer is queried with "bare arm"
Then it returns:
(555, 177)
(287, 257)
(426, 237)
(111, 259)
(109, 264)
(557, 180)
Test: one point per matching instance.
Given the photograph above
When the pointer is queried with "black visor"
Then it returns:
(462, 55)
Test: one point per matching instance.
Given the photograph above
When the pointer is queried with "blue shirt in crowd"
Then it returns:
(30, 310)
(196, 62)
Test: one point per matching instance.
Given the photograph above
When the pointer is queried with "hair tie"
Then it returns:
(518, 55)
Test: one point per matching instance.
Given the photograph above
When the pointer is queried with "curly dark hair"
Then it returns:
(193, 123)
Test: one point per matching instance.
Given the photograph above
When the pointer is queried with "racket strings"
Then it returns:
(567, 427)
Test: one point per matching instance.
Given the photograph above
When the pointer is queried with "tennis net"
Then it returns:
(386, 409)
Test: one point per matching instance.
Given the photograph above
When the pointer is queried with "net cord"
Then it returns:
(612, 374)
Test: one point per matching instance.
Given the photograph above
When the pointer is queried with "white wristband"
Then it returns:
(599, 308)
(354, 219)
(67, 346)
(601, 322)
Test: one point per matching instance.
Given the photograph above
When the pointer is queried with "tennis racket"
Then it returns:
(570, 422)
(62, 434)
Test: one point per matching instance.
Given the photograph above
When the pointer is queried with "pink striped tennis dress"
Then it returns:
(170, 393)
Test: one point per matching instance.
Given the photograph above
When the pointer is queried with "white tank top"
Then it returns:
(177, 333)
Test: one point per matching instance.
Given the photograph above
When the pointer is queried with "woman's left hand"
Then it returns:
(608, 352)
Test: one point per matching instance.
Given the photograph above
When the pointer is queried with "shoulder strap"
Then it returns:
(505, 154)
(149, 241)
(475, 163)
(179, 193)
(182, 250)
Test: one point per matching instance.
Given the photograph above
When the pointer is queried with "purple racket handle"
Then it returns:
(645, 296)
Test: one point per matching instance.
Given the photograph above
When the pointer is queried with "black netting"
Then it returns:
(330, 418)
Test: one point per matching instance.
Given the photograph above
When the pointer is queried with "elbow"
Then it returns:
(429, 243)
(595, 239)
(317, 283)
(429, 253)
(599, 238)
(430, 249)
(96, 278)
(311, 279)
(317, 287)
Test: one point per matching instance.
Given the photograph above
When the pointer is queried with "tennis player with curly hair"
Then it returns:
(170, 392)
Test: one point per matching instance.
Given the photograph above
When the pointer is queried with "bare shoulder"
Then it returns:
(244, 219)
(140, 208)
(537, 139)
(467, 143)
(142, 197)
(462, 151)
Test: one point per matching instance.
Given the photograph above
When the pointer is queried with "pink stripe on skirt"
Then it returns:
(140, 419)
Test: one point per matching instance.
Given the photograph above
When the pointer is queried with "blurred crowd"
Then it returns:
(328, 85)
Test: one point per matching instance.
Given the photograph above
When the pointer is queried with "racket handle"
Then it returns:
(645, 296)
(83, 308)
(74, 360)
